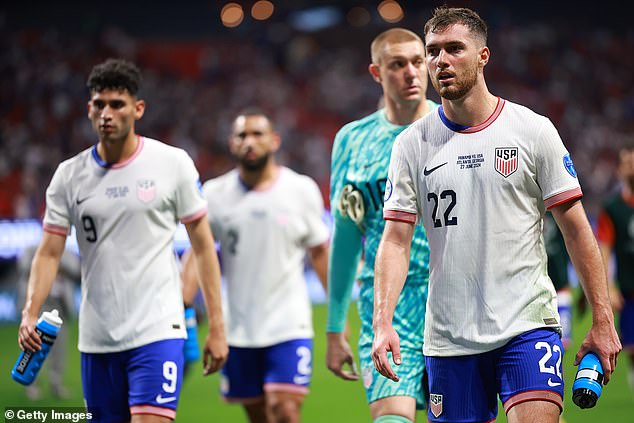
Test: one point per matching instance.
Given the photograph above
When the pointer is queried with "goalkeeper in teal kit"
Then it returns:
(360, 159)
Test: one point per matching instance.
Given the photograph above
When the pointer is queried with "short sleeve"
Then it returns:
(57, 216)
(556, 174)
(190, 204)
(400, 193)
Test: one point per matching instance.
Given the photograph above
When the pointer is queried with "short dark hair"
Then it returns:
(445, 16)
(115, 74)
(255, 111)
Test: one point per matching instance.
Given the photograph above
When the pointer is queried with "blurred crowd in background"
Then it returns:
(310, 75)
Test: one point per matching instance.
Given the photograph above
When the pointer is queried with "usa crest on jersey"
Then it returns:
(506, 160)
(145, 190)
(435, 404)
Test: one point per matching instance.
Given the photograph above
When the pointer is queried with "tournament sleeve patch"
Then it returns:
(570, 167)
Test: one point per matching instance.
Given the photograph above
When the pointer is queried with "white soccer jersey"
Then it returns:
(481, 193)
(125, 217)
(263, 235)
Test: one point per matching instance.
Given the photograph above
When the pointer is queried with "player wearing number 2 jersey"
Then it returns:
(267, 218)
(360, 159)
(125, 196)
(479, 174)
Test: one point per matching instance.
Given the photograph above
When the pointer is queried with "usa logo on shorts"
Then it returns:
(435, 404)
(506, 160)
(145, 190)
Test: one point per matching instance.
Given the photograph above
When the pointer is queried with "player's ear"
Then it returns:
(375, 72)
(485, 53)
(139, 109)
(277, 142)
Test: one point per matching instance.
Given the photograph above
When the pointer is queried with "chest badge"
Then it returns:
(145, 190)
(506, 159)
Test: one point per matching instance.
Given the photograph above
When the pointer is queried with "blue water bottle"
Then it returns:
(29, 362)
(191, 350)
(589, 381)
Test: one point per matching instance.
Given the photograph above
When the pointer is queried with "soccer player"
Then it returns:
(267, 217)
(360, 159)
(125, 196)
(615, 231)
(479, 175)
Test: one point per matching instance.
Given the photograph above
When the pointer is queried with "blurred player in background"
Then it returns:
(60, 298)
(479, 175)
(615, 232)
(266, 218)
(125, 196)
(360, 159)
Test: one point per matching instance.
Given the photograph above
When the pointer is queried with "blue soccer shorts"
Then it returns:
(527, 368)
(409, 323)
(283, 367)
(143, 380)
(626, 324)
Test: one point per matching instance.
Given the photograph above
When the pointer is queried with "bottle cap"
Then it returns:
(52, 317)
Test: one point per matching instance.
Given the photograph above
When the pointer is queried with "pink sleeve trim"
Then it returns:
(399, 216)
(56, 230)
(195, 216)
(285, 387)
(548, 396)
(154, 410)
(562, 197)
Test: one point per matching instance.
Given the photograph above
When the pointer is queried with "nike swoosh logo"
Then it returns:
(427, 172)
(83, 199)
(551, 383)
(162, 400)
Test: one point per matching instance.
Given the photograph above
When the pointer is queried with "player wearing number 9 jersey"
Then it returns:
(266, 217)
(125, 196)
(479, 174)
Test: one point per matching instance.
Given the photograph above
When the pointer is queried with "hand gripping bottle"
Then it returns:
(589, 381)
(30, 362)
(191, 349)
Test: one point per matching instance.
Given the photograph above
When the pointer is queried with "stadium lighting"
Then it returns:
(390, 11)
(358, 16)
(262, 10)
(231, 15)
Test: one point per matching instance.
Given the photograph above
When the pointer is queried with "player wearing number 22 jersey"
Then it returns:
(467, 184)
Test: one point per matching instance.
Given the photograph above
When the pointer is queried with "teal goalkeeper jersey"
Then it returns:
(359, 166)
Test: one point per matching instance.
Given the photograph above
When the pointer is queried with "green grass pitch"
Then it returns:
(330, 399)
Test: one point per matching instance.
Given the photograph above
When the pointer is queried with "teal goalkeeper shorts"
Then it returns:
(409, 322)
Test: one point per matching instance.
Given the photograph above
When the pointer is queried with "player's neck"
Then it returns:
(115, 151)
(260, 179)
(473, 108)
(404, 114)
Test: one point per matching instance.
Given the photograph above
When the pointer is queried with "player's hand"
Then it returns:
(603, 340)
(386, 340)
(28, 339)
(338, 353)
(215, 353)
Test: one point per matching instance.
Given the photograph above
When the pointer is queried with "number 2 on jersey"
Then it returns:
(446, 200)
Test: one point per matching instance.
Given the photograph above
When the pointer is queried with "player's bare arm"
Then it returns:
(205, 259)
(43, 270)
(392, 262)
(581, 244)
